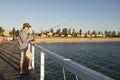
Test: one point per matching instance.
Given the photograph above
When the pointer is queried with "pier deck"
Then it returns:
(9, 63)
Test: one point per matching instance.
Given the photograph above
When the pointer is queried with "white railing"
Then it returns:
(79, 70)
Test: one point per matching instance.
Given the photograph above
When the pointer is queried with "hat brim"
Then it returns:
(27, 25)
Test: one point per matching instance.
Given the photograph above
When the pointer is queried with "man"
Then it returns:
(23, 40)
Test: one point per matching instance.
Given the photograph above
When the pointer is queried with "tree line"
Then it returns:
(74, 33)
(65, 31)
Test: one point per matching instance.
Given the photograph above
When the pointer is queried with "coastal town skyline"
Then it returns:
(76, 14)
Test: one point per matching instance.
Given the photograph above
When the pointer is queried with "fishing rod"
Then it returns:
(52, 28)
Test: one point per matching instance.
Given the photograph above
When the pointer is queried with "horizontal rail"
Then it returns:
(81, 71)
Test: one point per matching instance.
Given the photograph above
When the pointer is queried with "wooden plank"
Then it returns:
(9, 63)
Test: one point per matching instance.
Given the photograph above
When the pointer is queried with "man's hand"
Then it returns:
(32, 38)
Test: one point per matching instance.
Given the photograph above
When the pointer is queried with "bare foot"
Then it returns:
(30, 68)
(20, 72)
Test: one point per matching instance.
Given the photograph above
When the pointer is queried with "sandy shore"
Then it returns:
(70, 40)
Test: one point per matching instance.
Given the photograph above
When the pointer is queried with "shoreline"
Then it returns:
(74, 40)
(71, 40)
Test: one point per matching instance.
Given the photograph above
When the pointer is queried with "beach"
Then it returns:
(77, 40)
(71, 40)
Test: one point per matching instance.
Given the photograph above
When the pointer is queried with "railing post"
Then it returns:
(42, 57)
(33, 51)
(29, 46)
(81, 71)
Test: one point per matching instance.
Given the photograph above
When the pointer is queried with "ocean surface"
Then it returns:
(103, 57)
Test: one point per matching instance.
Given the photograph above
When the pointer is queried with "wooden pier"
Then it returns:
(9, 63)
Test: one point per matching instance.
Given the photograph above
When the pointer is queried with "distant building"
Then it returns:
(93, 35)
(100, 35)
(56, 35)
(88, 35)
(82, 35)
(49, 34)
(6, 34)
(62, 35)
(78, 35)
(43, 35)
(69, 35)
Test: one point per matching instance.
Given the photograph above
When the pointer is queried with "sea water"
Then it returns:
(103, 57)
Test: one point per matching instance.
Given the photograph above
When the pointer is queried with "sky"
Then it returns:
(75, 14)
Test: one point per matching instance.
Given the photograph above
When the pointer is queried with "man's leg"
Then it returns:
(21, 67)
(29, 56)
(21, 62)
(30, 64)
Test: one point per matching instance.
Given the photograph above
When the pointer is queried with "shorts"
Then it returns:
(25, 53)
